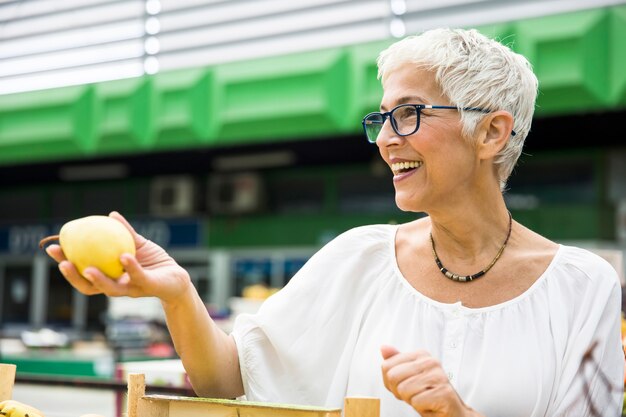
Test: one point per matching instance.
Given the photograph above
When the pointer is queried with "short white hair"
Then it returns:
(473, 71)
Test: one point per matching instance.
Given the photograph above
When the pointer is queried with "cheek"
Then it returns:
(383, 152)
(432, 145)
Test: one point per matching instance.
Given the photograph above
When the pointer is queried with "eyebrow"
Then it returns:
(405, 100)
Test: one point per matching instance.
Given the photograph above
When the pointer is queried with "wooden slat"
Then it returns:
(199, 409)
(136, 390)
(149, 408)
(7, 378)
(361, 407)
(189, 407)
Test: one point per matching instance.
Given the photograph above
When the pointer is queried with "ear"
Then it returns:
(494, 132)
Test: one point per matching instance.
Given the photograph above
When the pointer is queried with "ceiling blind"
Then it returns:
(48, 43)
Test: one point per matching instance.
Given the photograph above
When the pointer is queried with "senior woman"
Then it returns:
(466, 311)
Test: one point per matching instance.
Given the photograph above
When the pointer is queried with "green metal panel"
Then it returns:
(124, 109)
(185, 114)
(64, 364)
(47, 124)
(579, 59)
(368, 90)
(289, 230)
(571, 59)
(558, 222)
(283, 97)
(569, 222)
(502, 32)
(617, 48)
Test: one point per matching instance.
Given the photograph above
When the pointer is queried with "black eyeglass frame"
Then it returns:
(418, 111)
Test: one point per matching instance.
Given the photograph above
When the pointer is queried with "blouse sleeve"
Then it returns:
(297, 348)
(592, 372)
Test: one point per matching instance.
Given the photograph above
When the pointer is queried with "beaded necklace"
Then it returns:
(466, 278)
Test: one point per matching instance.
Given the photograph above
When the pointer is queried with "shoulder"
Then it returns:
(587, 264)
(342, 272)
(581, 269)
(571, 264)
(360, 254)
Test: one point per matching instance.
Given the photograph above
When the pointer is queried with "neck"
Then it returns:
(470, 234)
(478, 274)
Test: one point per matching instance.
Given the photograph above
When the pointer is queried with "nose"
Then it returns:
(388, 136)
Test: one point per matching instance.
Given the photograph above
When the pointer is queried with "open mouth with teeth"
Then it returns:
(404, 167)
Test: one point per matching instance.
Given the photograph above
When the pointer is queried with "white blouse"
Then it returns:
(318, 339)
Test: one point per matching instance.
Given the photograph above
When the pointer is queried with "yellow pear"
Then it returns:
(96, 241)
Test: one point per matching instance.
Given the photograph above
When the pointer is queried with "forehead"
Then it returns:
(408, 83)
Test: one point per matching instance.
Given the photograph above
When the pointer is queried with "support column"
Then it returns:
(39, 291)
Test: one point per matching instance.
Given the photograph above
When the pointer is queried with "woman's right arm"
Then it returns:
(208, 354)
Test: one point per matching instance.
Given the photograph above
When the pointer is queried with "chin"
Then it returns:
(407, 204)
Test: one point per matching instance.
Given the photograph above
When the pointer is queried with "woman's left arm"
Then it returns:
(419, 380)
(591, 380)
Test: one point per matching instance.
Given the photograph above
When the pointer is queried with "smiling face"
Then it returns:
(435, 166)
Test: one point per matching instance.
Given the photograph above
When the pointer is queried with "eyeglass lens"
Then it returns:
(404, 119)
(373, 125)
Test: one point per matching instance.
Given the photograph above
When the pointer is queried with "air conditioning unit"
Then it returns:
(235, 193)
(172, 196)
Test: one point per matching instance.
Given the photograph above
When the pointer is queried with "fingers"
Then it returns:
(388, 351)
(403, 366)
(117, 216)
(105, 284)
(418, 379)
(56, 253)
(129, 284)
(94, 282)
(133, 268)
(415, 378)
(399, 358)
(138, 282)
(71, 274)
(69, 271)
(139, 240)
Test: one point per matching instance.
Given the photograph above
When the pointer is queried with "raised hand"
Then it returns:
(419, 380)
(150, 273)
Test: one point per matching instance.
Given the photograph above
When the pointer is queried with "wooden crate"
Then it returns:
(142, 405)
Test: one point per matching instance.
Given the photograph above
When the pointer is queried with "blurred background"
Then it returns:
(228, 131)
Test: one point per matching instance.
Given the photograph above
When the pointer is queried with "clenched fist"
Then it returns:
(419, 380)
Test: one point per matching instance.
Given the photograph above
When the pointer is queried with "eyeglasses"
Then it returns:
(405, 119)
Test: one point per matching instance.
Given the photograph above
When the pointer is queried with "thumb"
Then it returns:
(139, 240)
(388, 351)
